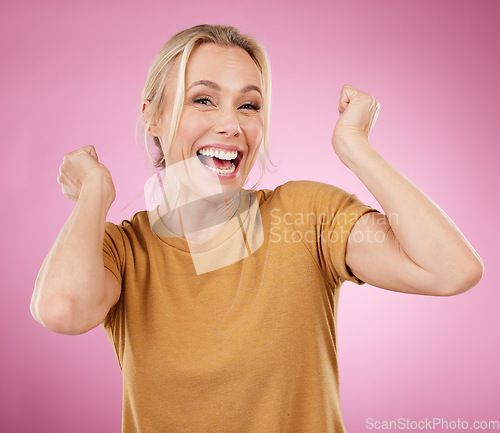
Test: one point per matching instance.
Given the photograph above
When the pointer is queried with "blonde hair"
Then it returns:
(180, 47)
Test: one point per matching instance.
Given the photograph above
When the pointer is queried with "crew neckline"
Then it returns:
(236, 223)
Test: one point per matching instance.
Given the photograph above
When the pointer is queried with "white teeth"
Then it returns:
(229, 155)
(220, 171)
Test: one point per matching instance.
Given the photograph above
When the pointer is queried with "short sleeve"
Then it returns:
(114, 250)
(336, 231)
(323, 217)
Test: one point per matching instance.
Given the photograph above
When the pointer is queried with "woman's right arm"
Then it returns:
(73, 291)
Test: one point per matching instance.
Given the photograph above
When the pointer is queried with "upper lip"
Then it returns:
(221, 146)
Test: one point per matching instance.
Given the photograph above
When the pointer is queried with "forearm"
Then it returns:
(424, 232)
(71, 284)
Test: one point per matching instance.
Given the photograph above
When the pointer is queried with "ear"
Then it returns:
(154, 127)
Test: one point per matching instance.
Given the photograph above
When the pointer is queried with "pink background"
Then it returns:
(72, 73)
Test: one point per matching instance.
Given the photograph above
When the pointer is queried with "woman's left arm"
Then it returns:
(414, 247)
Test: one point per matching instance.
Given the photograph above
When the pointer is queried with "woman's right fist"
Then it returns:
(83, 167)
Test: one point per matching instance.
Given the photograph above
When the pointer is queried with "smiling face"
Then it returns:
(221, 125)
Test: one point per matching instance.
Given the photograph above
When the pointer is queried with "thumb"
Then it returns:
(346, 95)
(91, 151)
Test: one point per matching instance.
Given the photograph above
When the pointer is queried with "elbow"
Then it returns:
(463, 277)
(34, 308)
(58, 315)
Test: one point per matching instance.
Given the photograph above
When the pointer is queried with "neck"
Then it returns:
(197, 218)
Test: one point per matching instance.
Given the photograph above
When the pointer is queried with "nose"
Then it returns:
(228, 124)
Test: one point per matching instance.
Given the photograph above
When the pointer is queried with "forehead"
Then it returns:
(224, 65)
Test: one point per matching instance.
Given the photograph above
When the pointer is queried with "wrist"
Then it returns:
(353, 150)
(99, 188)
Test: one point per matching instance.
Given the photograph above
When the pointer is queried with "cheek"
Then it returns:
(191, 127)
(254, 130)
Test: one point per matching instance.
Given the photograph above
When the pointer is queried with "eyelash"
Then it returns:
(201, 100)
(252, 106)
(248, 105)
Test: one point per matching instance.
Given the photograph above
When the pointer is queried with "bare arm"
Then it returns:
(414, 247)
(73, 291)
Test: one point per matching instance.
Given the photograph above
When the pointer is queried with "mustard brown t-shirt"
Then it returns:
(246, 347)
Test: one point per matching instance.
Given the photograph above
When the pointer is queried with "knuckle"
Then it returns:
(67, 160)
(371, 100)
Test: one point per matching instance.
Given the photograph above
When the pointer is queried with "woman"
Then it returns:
(221, 302)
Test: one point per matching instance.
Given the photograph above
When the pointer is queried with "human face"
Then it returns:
(222, 112)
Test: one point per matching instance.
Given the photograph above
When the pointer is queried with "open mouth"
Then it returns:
(219, 161)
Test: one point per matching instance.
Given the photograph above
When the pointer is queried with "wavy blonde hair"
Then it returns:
(180, 47)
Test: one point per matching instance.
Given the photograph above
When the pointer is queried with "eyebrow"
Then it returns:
(251, 87)
(215, 86)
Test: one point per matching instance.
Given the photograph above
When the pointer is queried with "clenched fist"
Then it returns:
(82, 167)
(358, 113)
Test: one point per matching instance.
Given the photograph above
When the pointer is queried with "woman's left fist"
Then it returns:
(358, 113)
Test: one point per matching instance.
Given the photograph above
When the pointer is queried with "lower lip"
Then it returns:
(222, 176)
